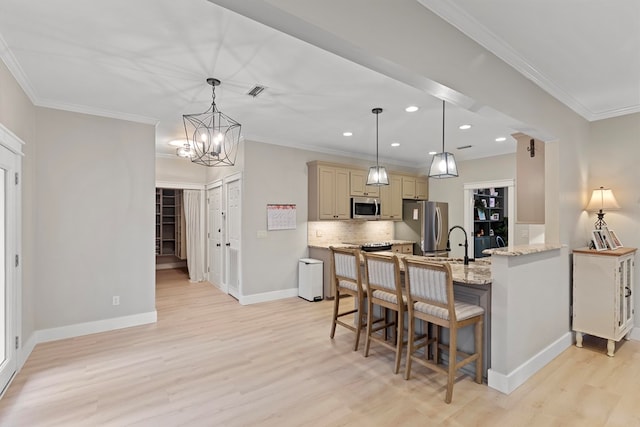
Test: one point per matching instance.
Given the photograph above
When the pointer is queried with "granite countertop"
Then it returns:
(357, 244)
(476, 273)
(521, 250)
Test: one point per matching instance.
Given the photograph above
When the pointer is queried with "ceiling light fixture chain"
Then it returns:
(377, 174)
(213, 137)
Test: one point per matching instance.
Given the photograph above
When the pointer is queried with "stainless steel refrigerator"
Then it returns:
(427, 224)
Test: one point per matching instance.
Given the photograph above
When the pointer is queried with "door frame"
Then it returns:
(19, 352)
(468, 207)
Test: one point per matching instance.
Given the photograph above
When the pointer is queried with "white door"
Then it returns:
(8, 266)
(215, 237)
(233, 220)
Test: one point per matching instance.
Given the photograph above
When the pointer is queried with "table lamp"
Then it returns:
(602, 199)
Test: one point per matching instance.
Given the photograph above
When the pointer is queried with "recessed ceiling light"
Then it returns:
(411, 109)
(431, 153)
(395, 144)
(501, 139)
(178, 142)
(464, 127)
(347, 133)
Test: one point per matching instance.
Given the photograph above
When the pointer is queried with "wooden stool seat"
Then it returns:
(429, 290)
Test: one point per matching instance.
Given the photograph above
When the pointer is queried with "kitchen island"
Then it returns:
(471, 284)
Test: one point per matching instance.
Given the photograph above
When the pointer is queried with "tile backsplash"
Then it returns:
(322, 233)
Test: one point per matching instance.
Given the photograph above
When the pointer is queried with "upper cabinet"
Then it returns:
(359, 185)
(332, 185)
(391, 199)
(328, 192)
(416, 188)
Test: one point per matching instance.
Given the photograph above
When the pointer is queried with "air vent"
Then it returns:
(256, 90)
(464, 147)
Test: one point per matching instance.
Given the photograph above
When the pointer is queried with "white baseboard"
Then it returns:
(268, 296)
(509, 382)
(635, 334)
(87, 328)
(26, 348)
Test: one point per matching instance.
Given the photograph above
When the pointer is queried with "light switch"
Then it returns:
(262, 234)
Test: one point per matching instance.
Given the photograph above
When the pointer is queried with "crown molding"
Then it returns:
(6, 55)
(16, 70)
(83, 109)
(473, 29)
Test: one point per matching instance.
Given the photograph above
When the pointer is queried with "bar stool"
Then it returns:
(429, 290)
(384, 289)
(346, 274)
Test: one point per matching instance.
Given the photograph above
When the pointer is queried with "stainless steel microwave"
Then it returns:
(365, 208)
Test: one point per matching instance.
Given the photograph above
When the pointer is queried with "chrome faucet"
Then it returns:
(466, 243)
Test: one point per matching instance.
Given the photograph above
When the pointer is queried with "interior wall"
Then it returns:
(451, 190)
(614, 150)
(178, 170)
(276, 174)
(17, 113)
(95, 226)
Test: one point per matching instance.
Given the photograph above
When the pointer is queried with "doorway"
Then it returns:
(488, 207)
(10, 212)
(233, 185)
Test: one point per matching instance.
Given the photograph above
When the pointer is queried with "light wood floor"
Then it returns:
(211, 362)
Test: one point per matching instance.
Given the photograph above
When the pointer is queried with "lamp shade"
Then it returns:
(602, 199)
(377, 176)
(443, 165)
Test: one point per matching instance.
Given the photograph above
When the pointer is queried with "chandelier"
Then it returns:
(213, 136)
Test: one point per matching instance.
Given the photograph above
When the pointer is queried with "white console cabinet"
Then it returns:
(603, 286)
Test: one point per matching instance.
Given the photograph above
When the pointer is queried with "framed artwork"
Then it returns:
(495, 216)
(481, 215)
(598, 242)
(615, 239)
(606, 236)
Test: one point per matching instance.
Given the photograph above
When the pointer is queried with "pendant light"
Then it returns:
(377, 174)
(443, 164)
(213, 136)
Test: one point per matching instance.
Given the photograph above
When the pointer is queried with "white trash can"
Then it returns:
(310, 279)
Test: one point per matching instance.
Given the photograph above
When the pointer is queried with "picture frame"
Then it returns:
(606, 236)
(481, 215)
(615, 239)
(598, 242)
(495, 216)
(492, 202)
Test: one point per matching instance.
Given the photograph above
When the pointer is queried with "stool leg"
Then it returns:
(336, 303)
(399, 336)
(410, 347)
(453, 357)
(358, 318)
(367, 340)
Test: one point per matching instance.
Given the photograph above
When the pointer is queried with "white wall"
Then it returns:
(613, 153)
(95, 223)
(178, 170)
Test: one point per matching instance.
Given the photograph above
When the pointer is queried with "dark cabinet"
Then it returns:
(490, 223)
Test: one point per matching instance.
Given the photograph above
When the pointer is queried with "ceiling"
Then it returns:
(150, 65)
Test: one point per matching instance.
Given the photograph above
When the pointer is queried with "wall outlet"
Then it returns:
(116, 300)
(318, 233)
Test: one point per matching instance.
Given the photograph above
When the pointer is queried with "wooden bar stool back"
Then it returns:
(429, 290)
(347, 276)
(384, 289)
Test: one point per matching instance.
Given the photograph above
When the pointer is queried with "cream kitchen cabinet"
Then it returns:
(391, 199)
(416, 188)
(402, 248)
(328, 192)
(603, 285)
(358, 185)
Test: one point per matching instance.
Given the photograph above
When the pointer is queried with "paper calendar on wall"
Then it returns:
(281, 217)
